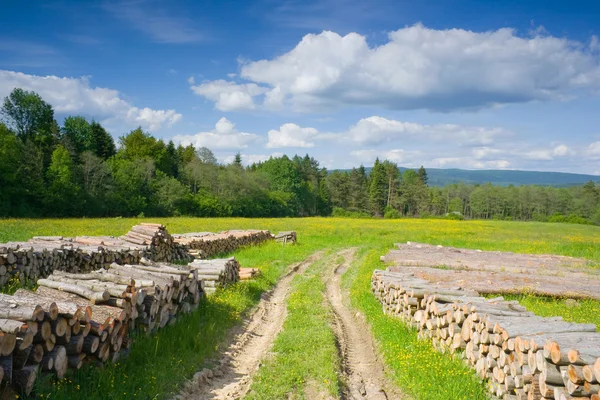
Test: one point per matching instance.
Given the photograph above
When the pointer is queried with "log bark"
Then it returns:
(93, 296)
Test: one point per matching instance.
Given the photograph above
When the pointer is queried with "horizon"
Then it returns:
(461, 86)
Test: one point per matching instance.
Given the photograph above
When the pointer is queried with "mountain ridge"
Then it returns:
(442, 177)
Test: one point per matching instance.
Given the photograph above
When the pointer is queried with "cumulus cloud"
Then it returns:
(395, 155)
(593, 150)
(547, 154)
(229, 96)
(376, 130)
(292, 135)
(422, 68)
(76, 95)
(224, 136)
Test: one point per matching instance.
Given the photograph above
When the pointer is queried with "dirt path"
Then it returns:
(252, 341)
(364, 376)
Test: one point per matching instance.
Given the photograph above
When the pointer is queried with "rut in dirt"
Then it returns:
(363, 373)
(251, 343)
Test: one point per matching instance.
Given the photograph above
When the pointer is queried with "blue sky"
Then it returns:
(461, 84)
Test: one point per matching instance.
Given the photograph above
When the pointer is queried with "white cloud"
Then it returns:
(191, 80)
(549, 153)
(394, 155)
(249, 159)
(75, 95)
(292, 135)
(224, 136)
(425, 68)
(539, 155)
(484, 152)
(229, 96)
(563, 151)
(593, 150)
(375, 130)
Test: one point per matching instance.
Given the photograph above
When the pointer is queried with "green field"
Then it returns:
(157, 365)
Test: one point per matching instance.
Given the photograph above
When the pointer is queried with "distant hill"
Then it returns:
(442, 177)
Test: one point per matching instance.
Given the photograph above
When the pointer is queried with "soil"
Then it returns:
(364, 375)
(252, 342)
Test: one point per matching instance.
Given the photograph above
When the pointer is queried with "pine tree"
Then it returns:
(377, 188)
(422, 175)
(237, 160)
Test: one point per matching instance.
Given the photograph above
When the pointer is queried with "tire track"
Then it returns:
(363, 373)
(251, 343)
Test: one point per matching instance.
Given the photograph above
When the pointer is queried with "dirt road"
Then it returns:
(252, 341)
(364, 376)
(362, 373)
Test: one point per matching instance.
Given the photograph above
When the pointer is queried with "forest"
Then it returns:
(77, 170)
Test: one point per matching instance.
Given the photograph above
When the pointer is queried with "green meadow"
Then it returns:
(158, 365)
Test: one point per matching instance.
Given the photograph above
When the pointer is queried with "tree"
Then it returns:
(205, 155)
(27, 114)
(422, 175)
(10, 159)
(62, 192)
(358, 188)
(237, 160)
(377, 188)
(102, 144)
(392, 176)
(76, 135)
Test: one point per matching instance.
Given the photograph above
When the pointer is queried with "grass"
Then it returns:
(157, 365)
(305, 352)
(414, 365)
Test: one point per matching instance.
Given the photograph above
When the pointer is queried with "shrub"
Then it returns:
(456, 216)
(557, 217)
(343, 213)
(391, 213)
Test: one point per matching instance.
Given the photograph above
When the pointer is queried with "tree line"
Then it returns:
(77, 169)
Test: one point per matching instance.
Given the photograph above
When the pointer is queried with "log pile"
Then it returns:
(158, 244)
(203, 245)
(216, 273)
(248, 273)
(73, 319)
(42, 255)
(286, 237)
(518, 354)
(544, 275)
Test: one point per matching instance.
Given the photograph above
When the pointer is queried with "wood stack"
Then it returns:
(286, 237)
(248, 273)
(42, 255)
(203, 245)
(520, 355)
(76, 318)
(216, 273)
(159, 244)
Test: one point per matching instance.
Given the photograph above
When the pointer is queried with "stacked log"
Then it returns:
(286, 237)
(248, 273)
(203, 245)
(42, 255)
(72, 319)
(216, 273)
(518, 354)
(159, 244)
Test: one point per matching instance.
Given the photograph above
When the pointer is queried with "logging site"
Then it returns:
(309, 308)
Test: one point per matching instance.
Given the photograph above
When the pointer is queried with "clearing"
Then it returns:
(158, 366)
